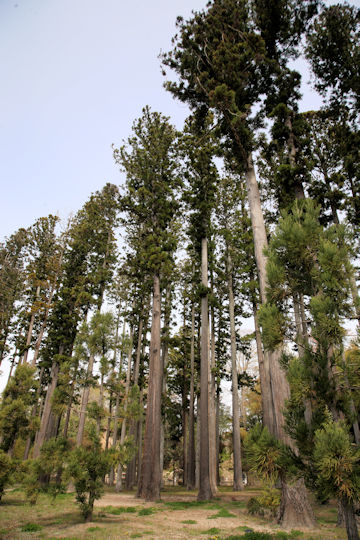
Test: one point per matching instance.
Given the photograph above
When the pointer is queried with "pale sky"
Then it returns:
(75, 74)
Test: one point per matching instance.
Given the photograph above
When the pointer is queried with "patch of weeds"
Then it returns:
(246, 529)
(136, 535)
(117, 510)
(184, 505)
(214, 530)
(251, 536)
(146, 511)
(282, 535)
(31, 527)
(238, 504)
(92, 529)
(294, 533)
(189, 522)
(222, 513)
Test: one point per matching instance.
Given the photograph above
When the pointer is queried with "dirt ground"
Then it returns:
(176, 516)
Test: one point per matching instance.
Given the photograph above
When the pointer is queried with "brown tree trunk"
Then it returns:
(47, 409)
(350, 520)
(150, 481)
(84, 403)
(294, 504)
(30, 329)
(190, 480)
(238, 482)
(212, 407)
(204, 476)
(277, 388)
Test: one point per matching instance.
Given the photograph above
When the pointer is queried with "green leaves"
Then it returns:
(337, 462)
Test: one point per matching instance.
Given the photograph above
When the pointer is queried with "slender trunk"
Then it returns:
(31, 326)
(238, 483)
(84, 402)
(204, 479)
(197, 448)
(164, 356)
(212, 408)
(150, 481)
(101, 405)
(190, 480)
(218, 434)
(47, 409)
(117, 401)
(123, 425)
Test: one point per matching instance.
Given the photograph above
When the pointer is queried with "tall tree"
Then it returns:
(149, 160)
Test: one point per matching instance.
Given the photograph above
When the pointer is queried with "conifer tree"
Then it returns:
(149, 161)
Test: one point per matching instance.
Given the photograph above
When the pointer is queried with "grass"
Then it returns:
(117, 510)
(31, 527)
(147, 511)
(214, 530)
(223, 513)
(189, 522)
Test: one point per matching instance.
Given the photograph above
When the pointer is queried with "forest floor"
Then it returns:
(177, 516)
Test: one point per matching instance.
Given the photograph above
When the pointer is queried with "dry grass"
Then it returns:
(177, 516)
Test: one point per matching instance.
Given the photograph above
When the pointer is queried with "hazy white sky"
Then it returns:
(75, 74)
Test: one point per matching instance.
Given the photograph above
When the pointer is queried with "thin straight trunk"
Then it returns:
(123, 425)
(84, 402)
(140, 437)
(12, 365)
(33, 414)
(164, 356)
(197, 448)
(71, 399)
(101, 404)
(150, 481)
(238, 483)
(30, 330)
(212, 407)
(47, 408)
(204, 478)
(190, 480)
(117, 402)
(218, 434)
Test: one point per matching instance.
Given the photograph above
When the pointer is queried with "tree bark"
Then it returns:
(212, 407)
(276, 387)
(47, 409)
(31, 326)
(204, 477)
(294, 504)
(190, 480)
(238, 482)
(84, 403)
(150, 481)
(350, 520)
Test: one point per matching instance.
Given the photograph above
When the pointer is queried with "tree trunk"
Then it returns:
(350, 520)
(277, 388)
(84, 402)
(30, 330)
(204, 477)
(150, 481)
(47, 409)
(190, 480)
(238, 482)
(123, 425)
(295, 503)
(212, 407)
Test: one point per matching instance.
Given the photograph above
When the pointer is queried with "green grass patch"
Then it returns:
(93, 529)
(223, 512)
(117, 510)
(136, 535)
(31, 527)
(189, 522)
(214, 530)
(184, 505)
(147, 511)
(238, 504)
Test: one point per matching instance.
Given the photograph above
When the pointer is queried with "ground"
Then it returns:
(177, 516)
